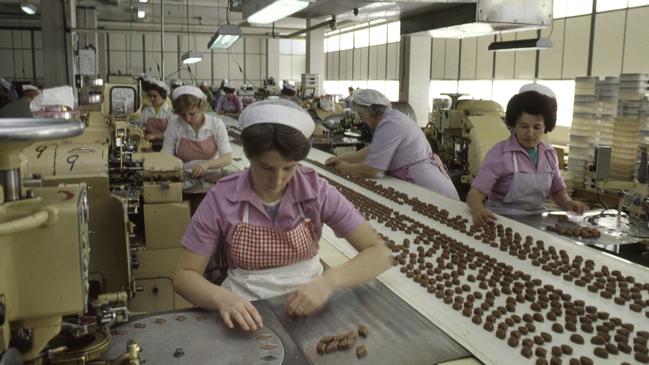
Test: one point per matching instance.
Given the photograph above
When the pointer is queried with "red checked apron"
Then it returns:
(188, 150)
(155, 125)
(272, 262)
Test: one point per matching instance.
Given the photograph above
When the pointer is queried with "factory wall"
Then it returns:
(122, 53)
(21, 55)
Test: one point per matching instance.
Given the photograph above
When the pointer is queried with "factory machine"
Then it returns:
(463, 134)
(46, 312)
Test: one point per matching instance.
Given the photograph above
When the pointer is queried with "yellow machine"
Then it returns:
(463, 134)
(44, 246)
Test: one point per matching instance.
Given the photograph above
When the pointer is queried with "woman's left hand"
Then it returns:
(199, 169)
(309, 298)
(575, 206)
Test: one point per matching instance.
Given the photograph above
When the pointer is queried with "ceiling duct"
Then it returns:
(459, 20)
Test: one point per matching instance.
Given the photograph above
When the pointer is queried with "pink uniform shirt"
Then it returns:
(495, 176)
(222, 209)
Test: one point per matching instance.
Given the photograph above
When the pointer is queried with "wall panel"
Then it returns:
(381, 61)
(349, 64)
(468, 62)
(438, 59)
(6, 38)
(551, 60)
(505, 60)
(393, 61)
(220, 67)
(525, 61)
(373, 63)
(636, 47)
(575, 50)
(484, 58)
(609, 43)
(452, 61)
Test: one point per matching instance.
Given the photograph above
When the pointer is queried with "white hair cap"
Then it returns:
(367, 97)
(277, 111)
(176, 82)
(541, 89)
(204, 83)
(31, 87)
(159, 84)
(189, 90)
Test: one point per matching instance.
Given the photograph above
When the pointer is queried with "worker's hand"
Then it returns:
(483, 216)
(309, 298)
(333, 161)
(237, 310)
(575, 206)
(149, 137)
(199, 169)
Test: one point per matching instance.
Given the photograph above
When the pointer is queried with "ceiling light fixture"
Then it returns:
(269, 11)
(28, 8)
(191, 57)
(521, 45)
(224, 37)
(141, 14)
(144, 1)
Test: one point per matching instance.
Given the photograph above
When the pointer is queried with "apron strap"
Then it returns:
(246, 211)
(515, 162)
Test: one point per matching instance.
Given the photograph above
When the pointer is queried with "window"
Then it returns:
(394, 32)
(378, 35)
(565, 90)
(566, 8)
(346, 41)
(362, 38)
(439, 87)
(606, 5)
(333, 44)
(475, 89)
(634, 3)
(503, 90)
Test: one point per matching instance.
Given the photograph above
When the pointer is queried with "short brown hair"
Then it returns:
(160, 90)
(535, 103)
(186, 102)
(291, 144)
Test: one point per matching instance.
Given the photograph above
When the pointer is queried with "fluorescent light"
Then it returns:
(191, 57)
(29, 9)
(144, 1)
(269, 11)
(521, 45)
(224, 37)
(141, 14)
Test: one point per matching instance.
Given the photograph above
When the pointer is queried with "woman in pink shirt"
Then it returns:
(519, 173)
(268, 219)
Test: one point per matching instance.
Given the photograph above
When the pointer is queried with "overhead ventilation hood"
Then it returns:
(483, 17)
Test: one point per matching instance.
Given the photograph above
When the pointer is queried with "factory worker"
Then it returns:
(230, 104)
(205, 88)
(6, 92)
(268, 219)
(155, 117)
(348, 99)
(175, 83)
(519, 173)
(399, 147)
(198, 139)
(288, 92)
(21, 108)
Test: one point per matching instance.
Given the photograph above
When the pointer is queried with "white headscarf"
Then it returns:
(189, 90)
(277, 111)
(160, 84)
(541, 89)
(27, 87)
(367, 97)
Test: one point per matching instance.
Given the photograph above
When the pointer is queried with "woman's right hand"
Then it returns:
(237, 310)
(483, 216)
(333, 160)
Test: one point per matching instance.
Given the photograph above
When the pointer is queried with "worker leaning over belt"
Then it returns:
(398, 146)
(199, 140)
(269, 220)
(230, 104)
(517, 174)
(21, 108)
(155, 117)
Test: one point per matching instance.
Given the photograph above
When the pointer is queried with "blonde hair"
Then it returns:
(186, 102)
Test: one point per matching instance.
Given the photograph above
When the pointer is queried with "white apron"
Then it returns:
(525, 196)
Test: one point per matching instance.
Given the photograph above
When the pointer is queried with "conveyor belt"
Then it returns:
(484, 344)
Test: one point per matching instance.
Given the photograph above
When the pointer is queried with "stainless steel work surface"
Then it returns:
(200, 338)
(397, 333)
